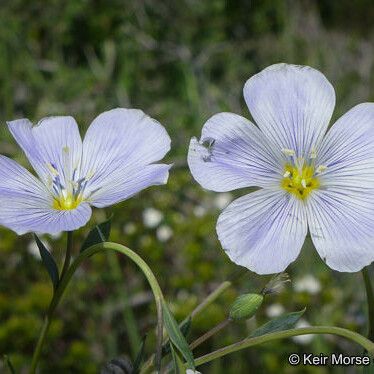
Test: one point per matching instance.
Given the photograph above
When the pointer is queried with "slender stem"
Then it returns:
(51, 308)
(210, 333)
(128, 314)
(210, 299)
(40, 343)
(64, 281)
(69, 247)
(370, 299)
(249, 342)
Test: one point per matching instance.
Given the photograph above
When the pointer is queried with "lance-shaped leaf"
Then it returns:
(48, 262)
(285, 322)
(176, 336)
(99, 234)
(139, 357)
(185, 329)
(177, 361)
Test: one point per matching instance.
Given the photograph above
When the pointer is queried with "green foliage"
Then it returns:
(176, 337)
(99, 234)
(284, 322)
(48, 262)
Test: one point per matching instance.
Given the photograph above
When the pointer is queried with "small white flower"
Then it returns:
(274, 310)
(199, 211)
(129, 228)
(190, 371)
(308, 284)
(303, 339)
(222, 200)
(164, 233)
(152, 217)
(57, 235)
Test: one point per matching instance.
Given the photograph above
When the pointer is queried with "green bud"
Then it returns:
(245, 306)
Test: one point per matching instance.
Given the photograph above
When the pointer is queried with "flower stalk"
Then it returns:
(370, 301)
(65, 279)
(250, 342)
(210, 333)
(210, 299)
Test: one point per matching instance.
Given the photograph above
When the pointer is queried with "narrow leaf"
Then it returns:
(185, 329)
(48, 262)
(285, 322)
(139, 357)
(177, 361)
(176, 336)
(99, 234)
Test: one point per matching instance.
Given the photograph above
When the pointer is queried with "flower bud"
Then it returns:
(245, 306)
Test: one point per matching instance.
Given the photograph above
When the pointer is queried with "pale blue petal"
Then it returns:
(292, 105)
(26, 205)
(118, 148)
(127, 182)
(348, 151)
(53, 141)
(341, 224)
(263, 231)
(232, 153)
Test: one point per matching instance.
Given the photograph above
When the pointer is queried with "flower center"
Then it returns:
(66, 203)
(66, 186)
(300, 176)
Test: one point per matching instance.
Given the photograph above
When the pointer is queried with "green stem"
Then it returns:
(209, 334)
(210, 299)
(128, 314)
(50, 311)
(370, 299)
(69, 247)
(249, 342)
(64, 281)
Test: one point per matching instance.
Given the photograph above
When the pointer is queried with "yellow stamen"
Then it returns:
(299, 181)
(66, 203)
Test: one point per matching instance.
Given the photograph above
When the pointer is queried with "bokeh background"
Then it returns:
(181, 62)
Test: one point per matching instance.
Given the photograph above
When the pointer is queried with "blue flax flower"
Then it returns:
(115, 161)
(307, 177)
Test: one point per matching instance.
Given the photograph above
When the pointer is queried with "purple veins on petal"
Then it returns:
(115, 161)
(324, 181)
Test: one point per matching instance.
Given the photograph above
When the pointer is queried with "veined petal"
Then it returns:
(263, 231)
(341, 224)
(126, 183)
(26, 205)
(52, 146)
(292, 105)
(232, 153)
(118, 148)
(348, 150)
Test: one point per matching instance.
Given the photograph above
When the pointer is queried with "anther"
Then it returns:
(321, 169)
(288, 152)
(52, 169)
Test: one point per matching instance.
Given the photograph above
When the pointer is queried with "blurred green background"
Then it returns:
(180, 62)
